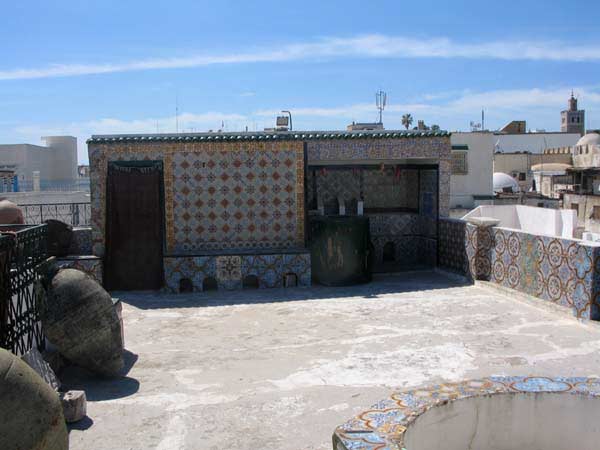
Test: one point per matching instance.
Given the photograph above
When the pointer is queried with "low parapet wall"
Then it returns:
(563, 271)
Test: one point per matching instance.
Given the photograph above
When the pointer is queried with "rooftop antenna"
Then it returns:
(380, 102)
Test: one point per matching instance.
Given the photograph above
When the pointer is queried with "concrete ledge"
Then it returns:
(484, 222)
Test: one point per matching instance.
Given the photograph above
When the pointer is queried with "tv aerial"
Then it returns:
(380, 102)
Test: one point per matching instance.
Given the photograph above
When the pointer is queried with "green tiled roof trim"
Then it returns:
(265, 136)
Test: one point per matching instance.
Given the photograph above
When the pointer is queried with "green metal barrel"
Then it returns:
(340, 250)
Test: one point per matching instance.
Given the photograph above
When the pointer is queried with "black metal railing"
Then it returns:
(22, 252)
(75, 214)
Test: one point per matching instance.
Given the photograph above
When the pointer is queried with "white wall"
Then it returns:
(480, 163)
(530, 219)
(534, 142)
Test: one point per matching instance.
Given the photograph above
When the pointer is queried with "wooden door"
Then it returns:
(134, 226)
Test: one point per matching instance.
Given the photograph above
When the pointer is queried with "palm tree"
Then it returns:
(407, 120)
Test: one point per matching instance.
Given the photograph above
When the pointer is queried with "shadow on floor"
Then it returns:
(382, 284)
(82, 425)
(98, 388)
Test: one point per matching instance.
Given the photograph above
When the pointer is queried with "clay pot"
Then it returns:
(10, 213)
(80, 319)
(31, 415)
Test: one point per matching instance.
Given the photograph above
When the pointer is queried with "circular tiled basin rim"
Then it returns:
(382, 427)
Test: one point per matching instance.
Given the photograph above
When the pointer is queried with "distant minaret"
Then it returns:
(573, 119)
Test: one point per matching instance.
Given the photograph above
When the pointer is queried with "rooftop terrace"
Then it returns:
(280, 369)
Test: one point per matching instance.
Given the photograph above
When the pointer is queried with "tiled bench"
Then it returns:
(232, 270)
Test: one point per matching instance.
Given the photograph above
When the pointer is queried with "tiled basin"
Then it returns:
(495, 413)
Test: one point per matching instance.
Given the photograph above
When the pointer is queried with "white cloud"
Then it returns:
(521, 100)
(366, 46)
(540, 107)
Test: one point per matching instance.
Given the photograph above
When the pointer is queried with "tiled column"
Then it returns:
(479, 245)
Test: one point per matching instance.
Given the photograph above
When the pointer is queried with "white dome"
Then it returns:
(503, 182)
(589, 139)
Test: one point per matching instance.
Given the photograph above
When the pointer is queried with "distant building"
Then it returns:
(533, 142)
(364, 126)
(515, 127)
(472, 166)
(573, 119)
(8, 181)
(584, 195)
(56, 163)
(519, 165)
(514, 137)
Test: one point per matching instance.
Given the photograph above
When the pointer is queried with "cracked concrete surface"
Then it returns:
(279, 369)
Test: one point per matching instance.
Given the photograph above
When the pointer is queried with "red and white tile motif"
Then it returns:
(235, 199)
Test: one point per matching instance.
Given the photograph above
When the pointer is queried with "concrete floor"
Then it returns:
(279, 369)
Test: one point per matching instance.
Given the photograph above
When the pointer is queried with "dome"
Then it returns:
(505, 183)
(590, 139)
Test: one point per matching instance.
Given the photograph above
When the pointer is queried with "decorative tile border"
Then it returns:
(383, 426)
(229, 270)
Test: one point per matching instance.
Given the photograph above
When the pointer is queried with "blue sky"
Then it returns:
(84, 67)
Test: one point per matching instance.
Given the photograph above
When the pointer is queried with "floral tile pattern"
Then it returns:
(383, 426)
(563, 271)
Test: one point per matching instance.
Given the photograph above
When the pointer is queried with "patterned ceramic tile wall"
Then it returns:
(81, 242)
(436, 149)
(452, 251)
(230, 270)
(387, 188)
(413, 236)
(384, 425)
(233, 199)
(563, 271)
(217, 195)
(429, 193)
(559, 270)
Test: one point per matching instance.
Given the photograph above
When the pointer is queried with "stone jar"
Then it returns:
(10, 213)
(31, 415)
(80, 319)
